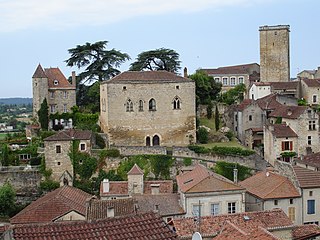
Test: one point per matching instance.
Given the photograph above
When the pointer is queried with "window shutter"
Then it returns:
(283, 146)
(290, 143)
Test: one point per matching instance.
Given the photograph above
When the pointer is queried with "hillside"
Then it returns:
(17, 101)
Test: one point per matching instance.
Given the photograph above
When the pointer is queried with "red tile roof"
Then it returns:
(244, 104)
(311, 160)
(306, 177)
(53, 205)
(236, 69)
(305, 232)
(284, 85)
(39, 73)
(290, 112)
(147, 77)
(312, 82)
(140, 226)
(268, 102)
(56, 79)
(247, 222)
(269, 185)
(282, 130)
(135, 170)
(69, 135)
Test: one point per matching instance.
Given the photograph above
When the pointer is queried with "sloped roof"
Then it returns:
(70, 134)
(52, 205)
(201, 180)
(282, 130)
(268, 102)
(310, 159)
(147, 77)
(284, 85)
(306, 177)
(39, 73)
(140, 226)
(135, 170)
(305, 231)
(168, 204)
(247, 222)
(312, 82)
(290, 112)
(269, 185)
(54, 74)
(236, 69)
(98, 209)
(244, 104)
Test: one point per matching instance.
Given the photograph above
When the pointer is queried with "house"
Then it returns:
(63, 204)
(268, 190)
(137, 226)
(52, 85)
(58, 148)
(136, 112)
(271, 224)
(311, 161)
(231, 76)
(310, 74)
(205, 193)
(259, 90)
(134, 185)
(309, 90)
(304, 232)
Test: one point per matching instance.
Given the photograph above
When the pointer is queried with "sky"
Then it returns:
(206, 33)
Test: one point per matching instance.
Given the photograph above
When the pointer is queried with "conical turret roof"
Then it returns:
(39, 73)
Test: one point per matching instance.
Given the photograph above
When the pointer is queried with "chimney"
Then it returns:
(156, 208)
(185, 72)
(105, 185)
(73, 77)
(235, 175)
(110, 212)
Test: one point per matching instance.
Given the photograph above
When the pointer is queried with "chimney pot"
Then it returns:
(185, 72)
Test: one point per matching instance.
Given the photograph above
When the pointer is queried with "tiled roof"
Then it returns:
(53, 205)
(306, 177)
(236, 69)
(135, 170)
(147, 77)
(312, 82)
(167, 204)
(284, 85)
(269, 185)
(69, 135)
(39, 73)
(262, 83)
(311, 160)
(247, 222)
(244, 104)
(56, 79)
(291, 112)
(201, 180)
(98, 209)
(268, 102)
(282, 130)
(305, 231)
(140, 226)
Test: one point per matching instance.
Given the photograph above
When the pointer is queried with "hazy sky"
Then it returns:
(206, 33)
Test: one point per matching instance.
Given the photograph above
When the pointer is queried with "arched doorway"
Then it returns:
(155, 140)
(148, 141)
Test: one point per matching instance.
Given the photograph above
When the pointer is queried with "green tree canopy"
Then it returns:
(100, 64)
(155, 60)
(7, 199)
(234, 95)
(43, 115)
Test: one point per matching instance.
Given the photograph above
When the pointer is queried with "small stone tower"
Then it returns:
(39, 89)
(135, 180)
(274, 53)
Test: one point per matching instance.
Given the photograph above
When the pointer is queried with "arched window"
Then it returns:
(129, 106)
(148, 141)
(152, 105)
(140, 106)
(176, 103)
(155, 140)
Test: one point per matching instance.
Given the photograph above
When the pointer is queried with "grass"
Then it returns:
(3, 136)
(208, 123)
(232, 143)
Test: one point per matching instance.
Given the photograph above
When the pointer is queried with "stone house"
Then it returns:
(311, 161)
(57, 150)
(267, 190)
(148, 108)
(310, 90)
(205, 193)
(310, 74)
(51, 84)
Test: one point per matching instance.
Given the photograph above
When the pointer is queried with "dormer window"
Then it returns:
(55, 82)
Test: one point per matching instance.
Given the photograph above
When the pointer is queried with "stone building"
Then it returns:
(310, 74)
(274, 53)
(148, 108)
(58, 148)
(310, 90)
(51, 84)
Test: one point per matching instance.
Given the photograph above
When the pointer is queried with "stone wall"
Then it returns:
(131, 150)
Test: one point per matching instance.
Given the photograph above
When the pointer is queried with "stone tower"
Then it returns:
(274, 53)
(135, 180)
(39, 89)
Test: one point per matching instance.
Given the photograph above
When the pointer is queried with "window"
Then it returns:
(51, 94)
(148, 141)
(292, 213)
(233, 81)
(196, 210)
(224, 81)
(312, 125)
(314, 98)
(82, 146)
(231, 207)
(287, 146)
(240, 79)
(215, 209)
(310, 193)
(104, 108)
(65, 109)
(129, 106)
(124, 88)
(65, 94)
(55, 82)
(217, 79)
(291, 200)
(52, 108)
(152, 105)
(140, 106)
(311, 205)
(59, 163)
(177, 87)
(58, 149)
(176, 103)
(275, 202)
(250, 117)
(309, 140)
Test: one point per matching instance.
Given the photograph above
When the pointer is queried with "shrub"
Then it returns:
(202, 135)
(187, 161)
(229, 135)
(100, 141)
(49, 185)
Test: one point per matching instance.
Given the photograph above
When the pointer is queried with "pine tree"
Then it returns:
(43, 115)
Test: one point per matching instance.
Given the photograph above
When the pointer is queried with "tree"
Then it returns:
(234, 95)
(7, 199)
(155, 60)
(100, 64)
(226, 169)
(43, 115)
(217, 118)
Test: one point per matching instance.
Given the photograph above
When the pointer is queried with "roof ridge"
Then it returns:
(277, 186)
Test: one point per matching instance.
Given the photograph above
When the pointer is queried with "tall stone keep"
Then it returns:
(274, 53)
(39, 89)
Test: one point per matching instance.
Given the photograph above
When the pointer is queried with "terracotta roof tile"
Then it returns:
(269, 185)
(236, 69)
(305, 231)
(290, 112)
(135, 170)
(69, 135)
(311, 160)
(312, 82)
(39, 73)
(282, 130)
(53, 205)
(247, 222)
(268, 102)
(140, 226)
(306, 177)
(244, 104)
(56, 79)
(284, 85)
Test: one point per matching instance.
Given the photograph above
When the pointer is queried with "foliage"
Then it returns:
(160, 166)
(234, 95)
(100, 64)
(187, 161)
(100, 141)
(158, 59)
(302, 102)
(226, 169)
(217, 118)
(45, 134)
(225, 151)
(5, 155)
(288, 154)
(86, 185)
(86, 121)
(43, 115)
(113, 152)
(209, 110)
(199, 149)
(229, 135)
(202, 135)
(279, 120)
(7, 199)
(48, 185)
